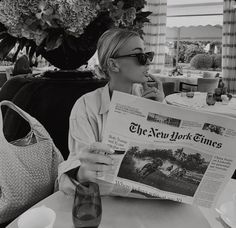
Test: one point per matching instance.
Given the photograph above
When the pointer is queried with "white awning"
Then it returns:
(194, 12)
(195, 33)
(194, 20)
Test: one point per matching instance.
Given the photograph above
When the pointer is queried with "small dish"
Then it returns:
(38, 217)
(228, 214)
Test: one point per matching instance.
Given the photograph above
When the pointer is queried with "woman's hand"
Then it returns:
(155, 91)
(95, 162)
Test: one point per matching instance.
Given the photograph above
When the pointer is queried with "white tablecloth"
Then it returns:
(199, 102)
(177, 79)
(227, 195)
(133, 213)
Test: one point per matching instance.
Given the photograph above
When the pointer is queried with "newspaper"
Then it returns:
(168, 152)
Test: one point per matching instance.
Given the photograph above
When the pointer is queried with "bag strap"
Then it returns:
(34, 124)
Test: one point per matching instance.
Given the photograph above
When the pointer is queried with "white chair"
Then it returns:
(207, 84)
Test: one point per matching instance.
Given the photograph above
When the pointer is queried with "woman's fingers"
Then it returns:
(102, 148)
(152, 96)
(155, 91)
(145, 86)
(92, 168)
(95, 161)
(154, 78)
(89, 157)
(158, 81)
(149, 90)
(85, 174)
(95, 167)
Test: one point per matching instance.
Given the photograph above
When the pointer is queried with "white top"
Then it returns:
(87, 124)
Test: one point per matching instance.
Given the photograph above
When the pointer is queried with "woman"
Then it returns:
(121, 57)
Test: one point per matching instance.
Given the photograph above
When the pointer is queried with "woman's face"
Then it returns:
(129, 68)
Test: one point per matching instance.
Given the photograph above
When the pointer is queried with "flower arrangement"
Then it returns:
(65, 32)
(178, 70)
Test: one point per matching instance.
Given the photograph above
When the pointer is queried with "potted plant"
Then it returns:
(64, 32)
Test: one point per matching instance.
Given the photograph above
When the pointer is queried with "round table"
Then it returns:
(199, 102)
(137, 213)
(120, 212)
(177, 79)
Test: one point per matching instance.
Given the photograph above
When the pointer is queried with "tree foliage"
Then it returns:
(191, 51)
(192, 162)
(216, 61)
(201, 61)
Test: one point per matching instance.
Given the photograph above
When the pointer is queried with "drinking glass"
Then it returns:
(210, 98)
(188, 73)
(87, 207)
(190, 94)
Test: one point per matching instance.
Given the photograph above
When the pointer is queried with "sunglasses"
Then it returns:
(142, 58)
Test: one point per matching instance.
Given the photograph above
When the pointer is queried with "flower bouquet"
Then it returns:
(65, 32)
(178, 70)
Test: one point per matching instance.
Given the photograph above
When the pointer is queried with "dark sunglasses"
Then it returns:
(142, 57)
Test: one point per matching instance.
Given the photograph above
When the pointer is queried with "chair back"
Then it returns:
(187, 87)
(168, 88)
(49, 99)
(3, 78)
(207, 84)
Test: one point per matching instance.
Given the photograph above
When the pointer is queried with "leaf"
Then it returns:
(3, 35)
(143, 20)
(31, 53)
(143, 14)
(21, 45)
(54, 40)
(142, 17)
(40, 49)
(6, 45)
(27, 49)
(2, 28)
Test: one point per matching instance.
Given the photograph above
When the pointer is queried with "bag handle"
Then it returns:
(34, 124)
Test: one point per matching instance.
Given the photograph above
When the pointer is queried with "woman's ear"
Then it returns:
(113, 65)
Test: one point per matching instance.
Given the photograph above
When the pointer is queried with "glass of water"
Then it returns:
(87, 207)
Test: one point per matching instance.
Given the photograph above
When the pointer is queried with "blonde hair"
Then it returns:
(110, 43)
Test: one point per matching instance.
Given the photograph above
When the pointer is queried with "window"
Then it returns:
(194, 27)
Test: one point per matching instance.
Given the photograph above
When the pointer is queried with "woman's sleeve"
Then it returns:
(81, 134)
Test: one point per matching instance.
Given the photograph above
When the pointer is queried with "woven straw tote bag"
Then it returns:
(28, 167)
